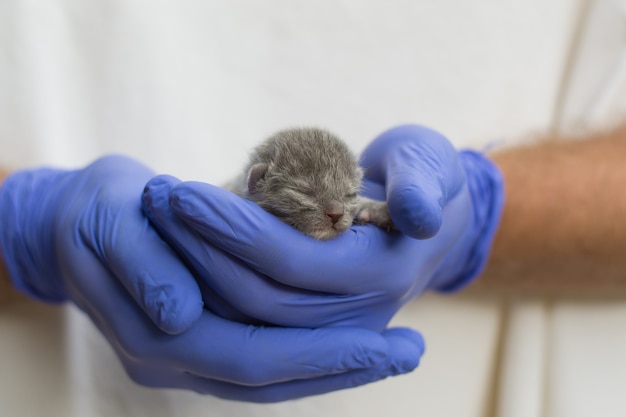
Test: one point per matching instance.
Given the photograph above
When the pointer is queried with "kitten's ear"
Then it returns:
(255, 174)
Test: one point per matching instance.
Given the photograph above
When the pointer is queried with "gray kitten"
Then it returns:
(309, 178)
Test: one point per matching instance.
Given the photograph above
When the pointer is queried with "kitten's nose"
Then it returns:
(334, 211)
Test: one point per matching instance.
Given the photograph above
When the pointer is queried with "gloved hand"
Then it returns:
(82, 236)
(253, 266)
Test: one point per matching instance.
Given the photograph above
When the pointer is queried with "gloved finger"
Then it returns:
(420, 171)
(222, 276)
(152, 273)
(404, 343)
(122, 237)
(266, 244)
(405, 348)
(258, 356)
(221, 350)
(249, 291)
(219, 272)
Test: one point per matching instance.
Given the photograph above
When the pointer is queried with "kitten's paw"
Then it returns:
(376, 213)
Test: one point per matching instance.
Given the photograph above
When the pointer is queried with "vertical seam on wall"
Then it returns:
(566, 77)
(547, 358)
(493, 399)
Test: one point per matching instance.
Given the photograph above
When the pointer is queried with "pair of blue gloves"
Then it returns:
(198, 289)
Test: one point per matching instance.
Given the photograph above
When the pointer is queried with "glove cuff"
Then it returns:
(26, 235)
(486, 188)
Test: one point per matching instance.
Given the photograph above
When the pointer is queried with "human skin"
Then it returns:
(563, 229)
(7, 292)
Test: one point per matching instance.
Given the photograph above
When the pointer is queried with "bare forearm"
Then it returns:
(7, 291)
(563, 230)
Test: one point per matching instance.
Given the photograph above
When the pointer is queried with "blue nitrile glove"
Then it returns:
(82, 236)
(251, 265)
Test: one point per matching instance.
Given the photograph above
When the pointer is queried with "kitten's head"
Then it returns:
(309, 179)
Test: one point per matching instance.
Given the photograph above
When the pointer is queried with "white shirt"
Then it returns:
(188, 87)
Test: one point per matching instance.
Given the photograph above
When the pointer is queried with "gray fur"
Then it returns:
(310, 179)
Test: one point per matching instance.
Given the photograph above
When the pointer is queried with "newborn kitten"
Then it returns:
(309, 179)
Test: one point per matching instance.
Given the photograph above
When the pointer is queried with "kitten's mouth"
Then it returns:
(327, 233)
(328, 230)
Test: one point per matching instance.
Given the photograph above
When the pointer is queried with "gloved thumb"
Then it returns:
(420, 171)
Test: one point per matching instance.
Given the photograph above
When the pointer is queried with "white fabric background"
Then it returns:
(188, 87)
